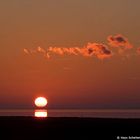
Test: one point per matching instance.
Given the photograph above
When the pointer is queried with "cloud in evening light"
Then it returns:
(98, 50)
(119, 41)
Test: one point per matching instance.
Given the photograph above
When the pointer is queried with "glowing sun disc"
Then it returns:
(41, 101)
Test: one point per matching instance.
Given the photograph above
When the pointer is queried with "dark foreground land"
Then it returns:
(30, 128)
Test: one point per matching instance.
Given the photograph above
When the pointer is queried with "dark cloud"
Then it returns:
(119, 41)
(101, 51)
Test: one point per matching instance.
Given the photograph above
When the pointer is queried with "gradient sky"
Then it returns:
(68, 81)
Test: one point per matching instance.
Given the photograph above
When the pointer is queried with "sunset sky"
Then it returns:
(76, 53)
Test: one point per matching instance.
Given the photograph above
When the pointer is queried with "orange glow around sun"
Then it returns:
(41, 101)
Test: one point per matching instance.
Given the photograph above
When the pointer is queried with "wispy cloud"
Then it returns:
(91, 50)
(97, 50)
(26, 51)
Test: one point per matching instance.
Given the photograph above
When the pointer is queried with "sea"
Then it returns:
(87, 113)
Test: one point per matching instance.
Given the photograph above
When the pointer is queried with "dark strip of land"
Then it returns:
(31, 128)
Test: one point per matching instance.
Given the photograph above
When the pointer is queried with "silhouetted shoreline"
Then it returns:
(18, 128)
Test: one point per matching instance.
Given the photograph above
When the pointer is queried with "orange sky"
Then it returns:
(69, 81)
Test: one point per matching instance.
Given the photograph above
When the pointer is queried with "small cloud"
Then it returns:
(101, 51)
(26, 51)
(119, 41)
(43, 51)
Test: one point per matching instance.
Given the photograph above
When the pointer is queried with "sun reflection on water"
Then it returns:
(41, 113)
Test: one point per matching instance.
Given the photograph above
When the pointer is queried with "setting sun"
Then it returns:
(41, 101)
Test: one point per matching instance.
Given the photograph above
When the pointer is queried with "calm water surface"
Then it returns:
(72, 113)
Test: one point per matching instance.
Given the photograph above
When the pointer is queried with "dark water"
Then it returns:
(72, 113)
